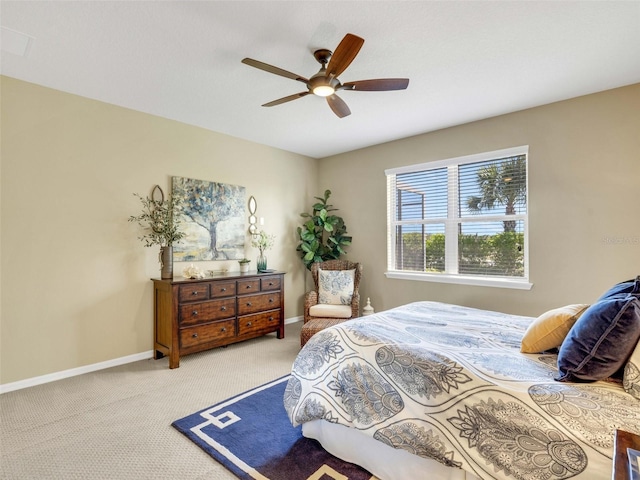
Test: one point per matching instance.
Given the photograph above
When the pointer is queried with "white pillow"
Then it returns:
(335, 287)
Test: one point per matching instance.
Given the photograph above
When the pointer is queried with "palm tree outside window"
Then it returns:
(464, 217)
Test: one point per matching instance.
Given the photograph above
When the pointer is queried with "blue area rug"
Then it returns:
(251, 435)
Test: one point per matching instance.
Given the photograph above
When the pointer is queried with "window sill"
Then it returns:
(497, 282)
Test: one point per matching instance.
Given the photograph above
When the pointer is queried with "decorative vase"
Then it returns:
(244, 267)
(261, 263)
(368, 309)
(166, 262)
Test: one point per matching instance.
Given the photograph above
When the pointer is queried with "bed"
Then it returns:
(439, 391)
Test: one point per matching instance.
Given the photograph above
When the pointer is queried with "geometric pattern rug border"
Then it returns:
(251, 436)
(224, 456)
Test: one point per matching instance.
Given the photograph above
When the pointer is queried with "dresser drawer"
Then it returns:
(248, 286)
(222, 289)
(210, 332)
(194, 292)
(260, 322)
(258, 303)
(194, 313)
(269, 283)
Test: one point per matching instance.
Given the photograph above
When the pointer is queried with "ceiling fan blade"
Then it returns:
(338, 106)
(377, 85)
(345, 52)
(286, 99)
(271, 69)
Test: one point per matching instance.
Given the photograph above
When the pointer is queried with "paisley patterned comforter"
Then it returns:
(449, 383)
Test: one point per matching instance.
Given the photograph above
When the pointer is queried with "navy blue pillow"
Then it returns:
(602, 339)
(625, 287)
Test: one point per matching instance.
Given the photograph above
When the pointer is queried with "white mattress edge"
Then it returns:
(383, 461)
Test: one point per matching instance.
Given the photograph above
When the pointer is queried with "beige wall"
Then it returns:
(74, 277)
(584, 186)
(75, 286)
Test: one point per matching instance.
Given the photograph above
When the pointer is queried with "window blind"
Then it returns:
(463, 216)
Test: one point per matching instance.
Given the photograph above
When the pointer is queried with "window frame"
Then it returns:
(450, 222)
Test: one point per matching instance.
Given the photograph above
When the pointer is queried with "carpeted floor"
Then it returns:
(116, 423)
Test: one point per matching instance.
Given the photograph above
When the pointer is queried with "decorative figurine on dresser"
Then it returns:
(192, 315)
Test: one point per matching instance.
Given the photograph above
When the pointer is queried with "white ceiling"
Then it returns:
(465, 60)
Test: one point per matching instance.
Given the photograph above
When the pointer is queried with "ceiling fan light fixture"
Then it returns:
(323, 90)
(322, 85)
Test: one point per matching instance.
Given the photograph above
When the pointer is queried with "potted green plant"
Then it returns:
(323, 236)
(161, 227)
(244, 265)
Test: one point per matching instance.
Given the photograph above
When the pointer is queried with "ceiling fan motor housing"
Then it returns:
(321, 80)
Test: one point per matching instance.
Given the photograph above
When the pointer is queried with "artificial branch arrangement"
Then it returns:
(158, 221)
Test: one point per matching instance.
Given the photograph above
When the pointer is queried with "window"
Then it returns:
(461, 220)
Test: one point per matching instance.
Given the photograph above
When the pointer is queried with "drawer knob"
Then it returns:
(194, 293)
(195, 335)
(248, 286)
(270, 319)
(248, 304)
(270, 284)
(223, 329)
(271, 300)
(223, 289)
(224, 309)
(195, 312)
(248, 324)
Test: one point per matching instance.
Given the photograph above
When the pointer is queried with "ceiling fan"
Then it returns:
(325, 83)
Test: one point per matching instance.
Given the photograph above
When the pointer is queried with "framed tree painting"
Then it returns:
(213, 220)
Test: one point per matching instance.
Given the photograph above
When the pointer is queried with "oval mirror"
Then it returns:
(252, 219)
(253, 205)
(157, 195)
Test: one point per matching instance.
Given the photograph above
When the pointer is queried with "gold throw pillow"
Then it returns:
(550, 329)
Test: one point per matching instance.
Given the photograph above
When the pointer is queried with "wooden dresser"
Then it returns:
(195, 315)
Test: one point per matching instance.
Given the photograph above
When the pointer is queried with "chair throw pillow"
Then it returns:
(550, 329)
(335, 287)
(603, 338)
(631, 375)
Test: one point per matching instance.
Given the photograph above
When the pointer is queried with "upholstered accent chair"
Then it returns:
(335, 296)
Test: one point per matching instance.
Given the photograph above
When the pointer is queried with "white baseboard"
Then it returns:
(72, 372)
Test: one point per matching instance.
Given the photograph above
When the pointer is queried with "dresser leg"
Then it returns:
(174, 359)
